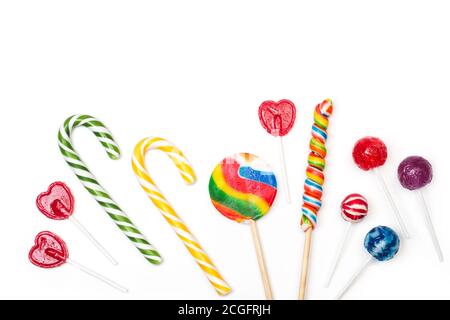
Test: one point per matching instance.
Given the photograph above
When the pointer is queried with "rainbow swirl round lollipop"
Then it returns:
(242, 188)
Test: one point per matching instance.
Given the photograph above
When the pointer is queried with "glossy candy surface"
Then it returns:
(315, 178)
(57, 202)
(49, 251)
(277, 117)
(369, 153)
(382, 243)
(242, 187)
(415, 172)
(354, 208)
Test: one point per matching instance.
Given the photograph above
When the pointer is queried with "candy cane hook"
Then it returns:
(91, 184)
(166, 209)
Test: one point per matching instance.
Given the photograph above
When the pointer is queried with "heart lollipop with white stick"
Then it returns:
(57, 203)
(414, 173)
(50, 251)
(354, 209)
(278, 118)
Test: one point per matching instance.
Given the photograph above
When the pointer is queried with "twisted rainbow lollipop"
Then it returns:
(312, 197)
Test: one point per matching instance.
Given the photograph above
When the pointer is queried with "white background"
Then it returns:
(195, 72)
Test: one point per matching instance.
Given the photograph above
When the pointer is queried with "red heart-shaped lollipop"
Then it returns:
(277, 117)
(49, 251)
(57, 202)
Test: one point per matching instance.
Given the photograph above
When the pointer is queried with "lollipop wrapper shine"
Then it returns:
(49, 251)
(382, 243)
(242, 187)
(414, 173)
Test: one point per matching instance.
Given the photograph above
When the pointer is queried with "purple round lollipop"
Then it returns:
(415, 172)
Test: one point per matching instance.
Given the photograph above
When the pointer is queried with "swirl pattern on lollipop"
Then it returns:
(316, 164)
(382, 243)
(242, 187)
(354, 208)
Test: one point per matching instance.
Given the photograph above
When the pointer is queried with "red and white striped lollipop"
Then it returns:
(354, 208)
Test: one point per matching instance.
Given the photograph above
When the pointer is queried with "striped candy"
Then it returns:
(166, 209)
(80, 169)
(316, 164)
(242, 187)
(354, 208)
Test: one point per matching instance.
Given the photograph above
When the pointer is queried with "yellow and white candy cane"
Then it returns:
(166, 209)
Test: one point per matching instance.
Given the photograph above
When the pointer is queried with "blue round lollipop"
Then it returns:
(382, 243)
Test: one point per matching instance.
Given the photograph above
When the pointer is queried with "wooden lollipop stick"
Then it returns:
(353, 278)
(93, 240)
(98, 276)
(305, 264)
(284, 171)
(338, 255)
(261, 262)
(431, 229)
(388, 194)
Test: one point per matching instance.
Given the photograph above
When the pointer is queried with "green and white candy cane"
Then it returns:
(91, 184)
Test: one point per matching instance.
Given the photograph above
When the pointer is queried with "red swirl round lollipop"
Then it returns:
(278, 118)
(354, 208)
(57, 203)
(370, 153)
(50, 251)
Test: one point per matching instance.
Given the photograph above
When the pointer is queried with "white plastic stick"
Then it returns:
(338, 254)
(98, 276)
(388, 194)
(284, 171)
(93, 240)
(353, 278)
(430, 227)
